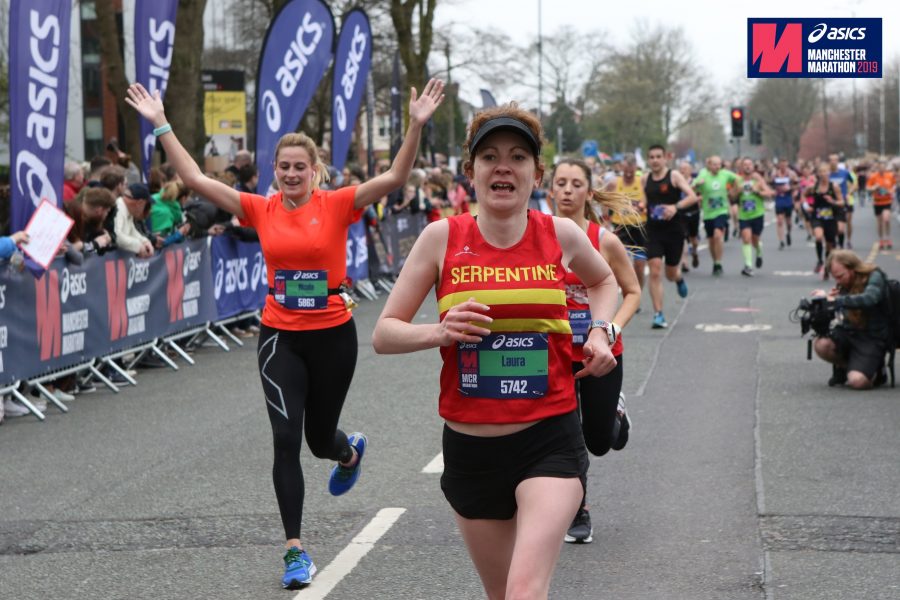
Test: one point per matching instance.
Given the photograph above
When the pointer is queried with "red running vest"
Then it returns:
(522, 371)
(577, 302)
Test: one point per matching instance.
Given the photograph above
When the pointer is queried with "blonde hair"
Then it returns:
(301, 140)
(611, 201)
(511, 110)
(861, 271)
(173, 190)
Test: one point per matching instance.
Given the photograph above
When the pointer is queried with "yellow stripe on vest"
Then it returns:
(530, 325)
(496, 297)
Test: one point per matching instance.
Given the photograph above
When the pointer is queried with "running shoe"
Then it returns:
(747, 272)
(682, 288)
(759, 262)
(695, 261)
(343, 478)
(659, 321)
(622, 425)
(717, 270)
(788, 236)
(838, 376)
(298, 569)
(581, 531)
(781, 245)
(14, 408)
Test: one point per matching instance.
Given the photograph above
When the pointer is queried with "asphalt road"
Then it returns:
(746, 476)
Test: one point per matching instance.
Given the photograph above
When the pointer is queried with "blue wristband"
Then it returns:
(162, 129)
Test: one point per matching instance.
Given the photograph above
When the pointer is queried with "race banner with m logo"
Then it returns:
(824, 48)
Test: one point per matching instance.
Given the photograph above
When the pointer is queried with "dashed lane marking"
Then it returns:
(349, 557)
(436, 465)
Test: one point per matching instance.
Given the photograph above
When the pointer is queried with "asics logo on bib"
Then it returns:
(513, 342)
(836, 33)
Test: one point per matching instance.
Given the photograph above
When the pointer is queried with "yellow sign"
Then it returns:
(225, 113)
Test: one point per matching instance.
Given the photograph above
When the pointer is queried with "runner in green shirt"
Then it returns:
(751, 190)
(712, 184)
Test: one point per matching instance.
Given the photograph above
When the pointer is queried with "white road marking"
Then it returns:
(436, 465)
(349, 557)
(795, 273)
(721, 328)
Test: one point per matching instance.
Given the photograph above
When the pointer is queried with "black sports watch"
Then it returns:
(606, 326)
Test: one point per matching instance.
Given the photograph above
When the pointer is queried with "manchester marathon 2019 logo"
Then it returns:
(822, 48)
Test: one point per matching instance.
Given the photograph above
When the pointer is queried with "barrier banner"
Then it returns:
(351, 69)
(154, 36)
(297, 50)
(75, 313)
(399, 233)
(38, 103)
(239, 276)
(357, 252)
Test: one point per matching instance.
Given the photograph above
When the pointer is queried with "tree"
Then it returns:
(785, 107)
(648, 91)
(414, 49)
(113, 71)
(184, 92)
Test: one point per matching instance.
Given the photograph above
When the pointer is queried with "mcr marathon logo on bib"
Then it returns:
(504, 366)
(814, 48)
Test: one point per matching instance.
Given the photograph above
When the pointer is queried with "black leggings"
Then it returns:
(305, 374)
(598, 399)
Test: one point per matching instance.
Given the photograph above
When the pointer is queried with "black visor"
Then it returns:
(509, 123)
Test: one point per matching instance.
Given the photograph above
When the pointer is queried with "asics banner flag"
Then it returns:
(154, 36)
(38, 101)
(351, 68)
(297, 50)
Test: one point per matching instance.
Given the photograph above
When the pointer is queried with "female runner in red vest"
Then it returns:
(307, 344)
(514, 457)
(604, 422)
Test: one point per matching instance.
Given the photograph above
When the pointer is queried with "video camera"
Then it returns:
(814, 314)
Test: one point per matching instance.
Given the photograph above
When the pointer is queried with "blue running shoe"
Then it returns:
(682, 288)
(659, 321)
(343, 478)
(298, 569)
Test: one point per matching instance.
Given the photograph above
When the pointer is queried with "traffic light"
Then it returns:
(737, 121)
(756, 132)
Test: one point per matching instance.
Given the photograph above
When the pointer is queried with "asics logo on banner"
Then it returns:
(348, 80)
(73, 284)
(43, 100)
(162, 36)
(836, 33)
(289, 73)
(514, 342)
(191, 261)
(138, 272)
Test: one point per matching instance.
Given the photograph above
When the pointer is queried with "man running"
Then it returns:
(784, 180)
(713, 184)
(751, 191)
(691, 216)
(631, 228)
(663, 189)
(841, 177)
(881, 184)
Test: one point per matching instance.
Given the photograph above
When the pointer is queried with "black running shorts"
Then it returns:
(481, 474)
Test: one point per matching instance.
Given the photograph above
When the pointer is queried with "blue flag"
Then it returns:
(38, 102)
(297, 50)
(351, 69)
(154, 36)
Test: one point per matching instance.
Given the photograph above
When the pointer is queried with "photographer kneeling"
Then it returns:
(858, 341)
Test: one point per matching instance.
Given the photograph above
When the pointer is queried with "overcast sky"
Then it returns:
(718, 31)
